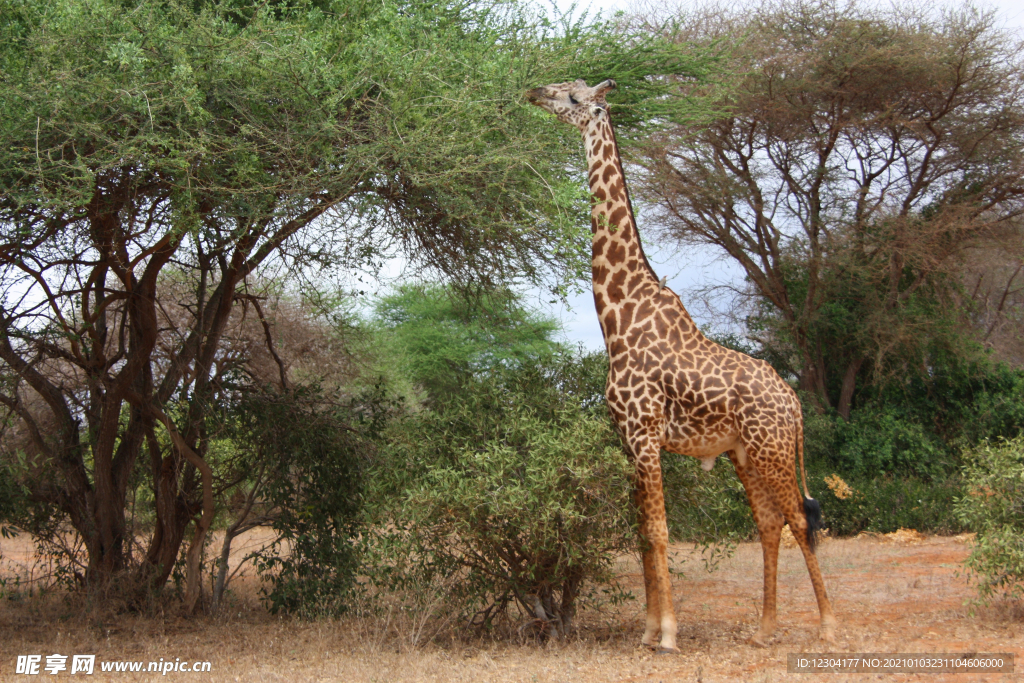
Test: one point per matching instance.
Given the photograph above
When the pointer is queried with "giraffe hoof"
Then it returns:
(759, 640)
(828, 629)
(667, 651)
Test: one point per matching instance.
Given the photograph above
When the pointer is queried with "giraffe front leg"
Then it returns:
(770, 535)
(652, 629)
(657, 581)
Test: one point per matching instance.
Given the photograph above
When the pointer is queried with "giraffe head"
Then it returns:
(573, 102)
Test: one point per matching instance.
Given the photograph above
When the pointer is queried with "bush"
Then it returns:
(12, 501)
(994, 507)
(710, 508)
(705, 507)
(513, 493)
(311, 448)
(997, 410)
(886, 503)
(877, 440)
(880, 440)
(11, 498)
(901, 474)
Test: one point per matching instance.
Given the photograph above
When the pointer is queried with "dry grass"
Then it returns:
(889, 597)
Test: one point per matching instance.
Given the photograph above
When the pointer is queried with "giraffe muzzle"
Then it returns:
(536, 95)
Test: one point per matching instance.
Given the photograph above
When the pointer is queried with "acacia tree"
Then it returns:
(174, 149)
(858, 158)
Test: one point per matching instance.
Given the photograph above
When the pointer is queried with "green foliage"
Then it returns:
(711, 508)
(407, 114)
(855, 247)
(899, 454)
(47, 524)
(883, 504)
(994, 507)
(893, 482)
(12, 501)
(880, 440)
(311, 450)
(439, 340)
(983, 401)
(707, 508)
(513, 491)
(917, 424)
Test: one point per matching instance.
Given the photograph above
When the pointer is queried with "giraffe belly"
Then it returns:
(701, 426)
(701, 446)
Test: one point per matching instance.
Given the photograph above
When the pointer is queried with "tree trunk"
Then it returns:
(172, 517)
(105, 559)
(222, 571)
(225, 552)
(193, 557)
(812, 380)
(114, 456)
(849, 383)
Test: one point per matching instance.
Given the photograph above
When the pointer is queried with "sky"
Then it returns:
(686, 272)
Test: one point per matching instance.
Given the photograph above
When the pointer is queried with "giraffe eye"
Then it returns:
(572, 99)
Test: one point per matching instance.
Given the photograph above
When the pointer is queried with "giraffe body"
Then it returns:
(671, 388)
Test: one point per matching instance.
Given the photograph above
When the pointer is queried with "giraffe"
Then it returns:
(670, 388)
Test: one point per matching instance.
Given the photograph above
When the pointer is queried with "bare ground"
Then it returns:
(890, 595)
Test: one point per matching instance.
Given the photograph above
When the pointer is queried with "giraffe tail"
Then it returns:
(800, 452)
(812, 509)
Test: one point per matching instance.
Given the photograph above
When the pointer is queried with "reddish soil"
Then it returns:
(890, 596)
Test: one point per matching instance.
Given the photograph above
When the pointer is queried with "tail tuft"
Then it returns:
(812, 510)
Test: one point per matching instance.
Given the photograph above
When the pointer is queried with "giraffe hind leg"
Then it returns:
(804, 518)
(769, 520)
(807, 541)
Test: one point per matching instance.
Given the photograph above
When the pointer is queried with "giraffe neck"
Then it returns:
(619, 265)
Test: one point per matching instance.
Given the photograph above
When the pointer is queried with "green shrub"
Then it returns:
(877, 440)
(994, 507)
(12, 501)
(705, 507)
(887, 503)
(512, 493)
(711, 507)
(918, 426)
(311, 448)
(997, 411)
(901, 473)
(10, 497)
